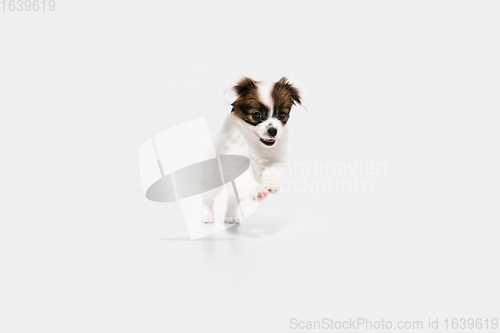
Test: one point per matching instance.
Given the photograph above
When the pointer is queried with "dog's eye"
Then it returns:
(282, 115)
(257, 116)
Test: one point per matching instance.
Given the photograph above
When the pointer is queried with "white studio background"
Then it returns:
(409, 85)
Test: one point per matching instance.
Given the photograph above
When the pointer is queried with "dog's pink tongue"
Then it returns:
(271, 140)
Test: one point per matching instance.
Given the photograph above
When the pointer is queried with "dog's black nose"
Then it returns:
(272, 132)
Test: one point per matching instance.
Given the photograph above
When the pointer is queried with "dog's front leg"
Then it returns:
(248, 187)
(272, 177)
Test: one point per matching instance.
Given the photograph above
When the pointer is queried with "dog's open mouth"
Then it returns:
(268, 142)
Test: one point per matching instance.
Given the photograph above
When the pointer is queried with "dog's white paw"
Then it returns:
(207, 216)
(271, 179)
(231, 220)
(252, 191)
(272, 188)
(261, 196)
(260, 193)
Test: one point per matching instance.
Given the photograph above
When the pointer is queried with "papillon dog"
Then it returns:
(255, 128)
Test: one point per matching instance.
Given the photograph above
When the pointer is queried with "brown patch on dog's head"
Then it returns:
(248, 106)
(256, 102)
(284, 96)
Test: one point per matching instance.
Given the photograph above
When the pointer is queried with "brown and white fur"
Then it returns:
(255, 128)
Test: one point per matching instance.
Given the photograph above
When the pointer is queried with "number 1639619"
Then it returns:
(28, 5)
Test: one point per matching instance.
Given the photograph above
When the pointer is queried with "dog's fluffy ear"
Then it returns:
(243, 87)
(294, 90)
